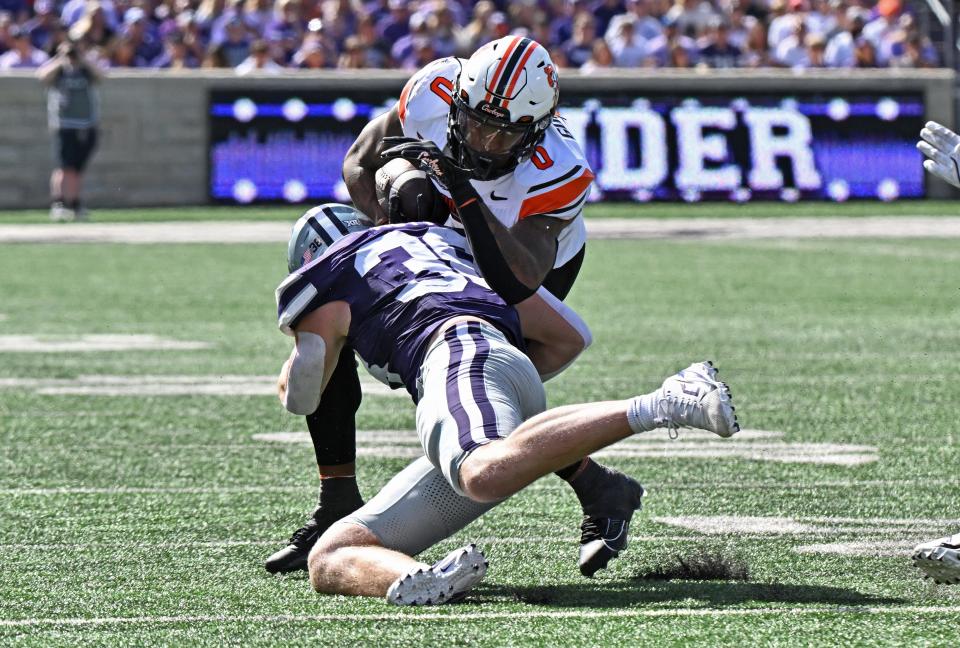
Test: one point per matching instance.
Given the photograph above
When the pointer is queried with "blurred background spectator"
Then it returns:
(355, 34)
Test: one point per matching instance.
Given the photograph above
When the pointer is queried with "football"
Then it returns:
(406, 194)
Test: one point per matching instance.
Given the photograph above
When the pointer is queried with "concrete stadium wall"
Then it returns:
(153, 137)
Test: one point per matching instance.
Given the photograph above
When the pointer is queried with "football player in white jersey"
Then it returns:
(940, 559)
(487, 132)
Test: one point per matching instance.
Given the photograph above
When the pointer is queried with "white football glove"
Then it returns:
(942, 146)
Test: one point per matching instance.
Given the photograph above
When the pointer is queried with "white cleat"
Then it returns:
(939, 559)
(447, 581)
(695, 398)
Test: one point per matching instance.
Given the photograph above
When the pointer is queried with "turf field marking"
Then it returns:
(735, 525)
(863, 249)
(91, 343)
(410, 436)
(418, 616)
(170, 385)
(597, 228)
(542, 485)
(878, 548)
(775, 228)
(756, 445)
(802, 525)
(149, 490)
(214, 544)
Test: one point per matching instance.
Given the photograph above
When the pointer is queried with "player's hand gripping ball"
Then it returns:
(427, 156)
(405, 194)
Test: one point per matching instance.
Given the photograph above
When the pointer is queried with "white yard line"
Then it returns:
(137, 490)
(171, 385)
(68, 343)
(776, 526)
(892, 249)
(278, 542)
(476, 615)
(597, 228)
(877, 548)
(749, 444)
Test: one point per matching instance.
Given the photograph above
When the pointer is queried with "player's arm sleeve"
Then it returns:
(320, 336)
(513, 261)
(302, 376)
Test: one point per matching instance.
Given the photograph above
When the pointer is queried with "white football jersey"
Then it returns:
(554, 182)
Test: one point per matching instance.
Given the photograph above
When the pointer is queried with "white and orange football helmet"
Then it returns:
(503, 102)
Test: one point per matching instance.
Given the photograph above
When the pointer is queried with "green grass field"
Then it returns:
(137, 517)
(602, 210)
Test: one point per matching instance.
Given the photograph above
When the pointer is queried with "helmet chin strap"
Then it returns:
(470, 159)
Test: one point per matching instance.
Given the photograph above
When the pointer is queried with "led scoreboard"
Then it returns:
(289, 146)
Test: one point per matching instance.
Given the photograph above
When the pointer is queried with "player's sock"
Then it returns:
(339, 494)
(598, 489)
(642, 413)
(567, 473)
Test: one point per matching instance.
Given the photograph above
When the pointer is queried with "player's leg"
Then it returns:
(369, 553)
(692, 398)
(334, 435)
(476, 389)
(607, 499)
(349, 559)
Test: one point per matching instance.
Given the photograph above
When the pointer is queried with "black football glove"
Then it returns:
(428, 157)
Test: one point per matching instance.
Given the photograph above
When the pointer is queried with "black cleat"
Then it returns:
(603, 538)
(293, 557)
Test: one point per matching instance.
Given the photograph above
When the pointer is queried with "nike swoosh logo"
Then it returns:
(446, 569)
(494, 196)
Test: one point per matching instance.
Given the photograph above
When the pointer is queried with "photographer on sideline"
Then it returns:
(73, 111)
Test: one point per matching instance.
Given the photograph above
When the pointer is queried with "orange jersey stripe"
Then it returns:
(518, 72)
(402, 104)
(503, 61)
(556, 198)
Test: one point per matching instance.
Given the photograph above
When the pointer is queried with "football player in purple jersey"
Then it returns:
(409, 300)
(487, 132)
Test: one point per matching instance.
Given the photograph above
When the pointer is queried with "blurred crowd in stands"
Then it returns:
(270, 35)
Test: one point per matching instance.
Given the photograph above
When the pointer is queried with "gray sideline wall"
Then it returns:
(153, 137)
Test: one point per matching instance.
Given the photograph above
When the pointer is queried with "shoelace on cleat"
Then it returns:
(686, 407)
(590, 529)
(303, 534)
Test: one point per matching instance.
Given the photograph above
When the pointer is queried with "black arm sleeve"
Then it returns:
(486, 252)
(333, 428)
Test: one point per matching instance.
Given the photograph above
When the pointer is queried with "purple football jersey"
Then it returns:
(402, 282)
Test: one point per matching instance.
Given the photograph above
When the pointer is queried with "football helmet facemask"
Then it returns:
(502, 104)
